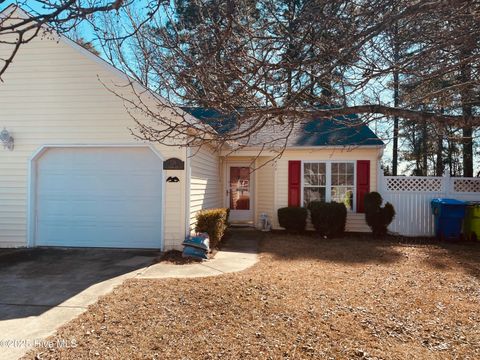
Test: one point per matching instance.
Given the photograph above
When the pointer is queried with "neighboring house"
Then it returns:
(77, 177)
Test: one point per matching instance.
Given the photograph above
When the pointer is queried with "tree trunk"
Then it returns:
(395, 147)
(450, 157)
(467, 149)
(396, 85)
(439, 167)
(466, 97)
(424, 149)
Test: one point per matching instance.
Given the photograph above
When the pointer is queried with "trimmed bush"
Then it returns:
(328, 219)
(373, 201)
(214, 222)
(293, 219)
(377, 217)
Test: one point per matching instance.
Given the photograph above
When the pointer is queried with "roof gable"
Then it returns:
(139, 88)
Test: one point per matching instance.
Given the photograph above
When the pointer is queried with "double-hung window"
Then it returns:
(329, 181)
(314, 182)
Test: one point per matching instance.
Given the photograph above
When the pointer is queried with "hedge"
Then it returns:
(328, 219)
(214, 222)
(377, 217)
(293, 219)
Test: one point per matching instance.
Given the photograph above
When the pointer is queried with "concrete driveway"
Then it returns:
(41, 289)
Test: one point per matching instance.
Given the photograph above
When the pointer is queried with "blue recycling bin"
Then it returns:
(196, 246)
(449, 214)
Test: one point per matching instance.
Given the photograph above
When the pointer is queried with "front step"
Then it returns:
(356, 223)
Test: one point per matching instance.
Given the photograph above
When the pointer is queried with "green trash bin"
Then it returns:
(471, 224)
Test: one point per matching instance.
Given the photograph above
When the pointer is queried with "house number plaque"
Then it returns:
(173, 164)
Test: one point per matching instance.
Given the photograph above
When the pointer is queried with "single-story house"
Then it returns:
(75, 176)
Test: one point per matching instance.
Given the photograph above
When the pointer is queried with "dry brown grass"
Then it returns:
(352, 298)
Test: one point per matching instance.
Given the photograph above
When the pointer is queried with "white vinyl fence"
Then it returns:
(411, 196)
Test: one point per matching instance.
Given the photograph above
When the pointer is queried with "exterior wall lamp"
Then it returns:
(6, 139)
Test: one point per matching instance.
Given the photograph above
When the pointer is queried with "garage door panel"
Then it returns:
(117, 209)
(105, 197)
(83, 209)
(100, 184)
(89, 234)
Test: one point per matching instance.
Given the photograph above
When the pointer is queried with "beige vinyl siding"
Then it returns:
(54, 93)
(205, 192)
(265, 188)
(354, 221)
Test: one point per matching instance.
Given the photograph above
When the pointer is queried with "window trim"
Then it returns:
(328, 182)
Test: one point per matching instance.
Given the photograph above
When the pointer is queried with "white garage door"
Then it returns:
(99, 197)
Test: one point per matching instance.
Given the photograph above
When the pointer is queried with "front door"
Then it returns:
(239, 194)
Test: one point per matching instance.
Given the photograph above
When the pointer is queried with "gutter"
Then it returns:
(275, 151)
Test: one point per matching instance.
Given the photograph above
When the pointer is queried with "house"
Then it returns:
(75, 175)
(330, 160)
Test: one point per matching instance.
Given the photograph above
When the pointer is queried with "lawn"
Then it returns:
(355, 298)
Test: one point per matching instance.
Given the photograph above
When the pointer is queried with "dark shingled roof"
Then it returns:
(346, 130)
(221, 123)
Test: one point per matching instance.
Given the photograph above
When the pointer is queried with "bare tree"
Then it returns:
(269, 66)
(258, 61)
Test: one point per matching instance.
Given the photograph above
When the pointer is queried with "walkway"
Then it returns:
(239, 253)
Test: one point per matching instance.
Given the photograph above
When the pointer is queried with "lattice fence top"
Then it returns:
(470, 185)
(424, 184)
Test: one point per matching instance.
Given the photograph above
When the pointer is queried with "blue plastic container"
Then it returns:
(449, 214)
(195, 253)
(200, 241)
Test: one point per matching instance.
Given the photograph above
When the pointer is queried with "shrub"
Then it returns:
(293, 219)
(373, 201)
(328, 219)
(377, 217)
(214, 222)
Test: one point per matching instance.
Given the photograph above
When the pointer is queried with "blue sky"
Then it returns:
(35, 7)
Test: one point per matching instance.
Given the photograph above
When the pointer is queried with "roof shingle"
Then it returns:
(346, 130)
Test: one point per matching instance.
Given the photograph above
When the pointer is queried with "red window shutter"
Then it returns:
(363, 183)
(294, 182)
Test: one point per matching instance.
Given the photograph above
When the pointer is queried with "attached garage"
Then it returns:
(98, 197)
(76, 176)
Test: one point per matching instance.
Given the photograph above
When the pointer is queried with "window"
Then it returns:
(343, 184)
(329, 181)
(314, 182)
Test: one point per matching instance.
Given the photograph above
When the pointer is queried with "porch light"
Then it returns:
(6, 139)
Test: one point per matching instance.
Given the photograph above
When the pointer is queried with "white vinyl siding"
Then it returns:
(356, 223)
(205, 192)
(54, 93)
